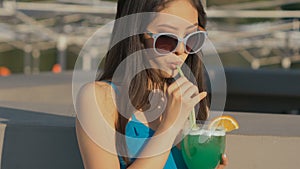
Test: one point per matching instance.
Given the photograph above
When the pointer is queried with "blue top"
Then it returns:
(136, 129)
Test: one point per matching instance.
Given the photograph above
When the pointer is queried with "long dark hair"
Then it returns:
(139, 85)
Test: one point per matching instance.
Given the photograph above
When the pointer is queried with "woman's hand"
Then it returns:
(182, 97)
(223, 163)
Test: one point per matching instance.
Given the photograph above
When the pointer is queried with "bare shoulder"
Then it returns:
(97, 97)
(99, 88)
(95, 109)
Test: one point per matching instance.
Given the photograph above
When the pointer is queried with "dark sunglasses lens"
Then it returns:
(195, 42)
(166, 43)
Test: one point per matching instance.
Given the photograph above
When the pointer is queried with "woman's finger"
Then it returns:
(224, 160)
(182, 89)
(176, 84)
(196, 99)
(191, 91)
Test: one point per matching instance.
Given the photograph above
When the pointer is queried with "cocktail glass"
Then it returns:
(202, 148)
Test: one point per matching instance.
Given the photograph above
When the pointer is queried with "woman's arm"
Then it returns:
(93, 156)
(182, 96)
(95, 100)
(98, 99)
(90, 108)
(95, 97)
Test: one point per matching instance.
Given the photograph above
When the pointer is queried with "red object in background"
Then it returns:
(4, 71)
(56, 68)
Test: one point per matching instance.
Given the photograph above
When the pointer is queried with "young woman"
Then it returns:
(173, 44)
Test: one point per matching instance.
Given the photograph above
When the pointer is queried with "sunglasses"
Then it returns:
(165, 43)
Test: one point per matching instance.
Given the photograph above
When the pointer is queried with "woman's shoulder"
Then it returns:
(98, 97)
(102, 90)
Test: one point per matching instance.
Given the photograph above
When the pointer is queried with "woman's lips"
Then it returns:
(173, 65)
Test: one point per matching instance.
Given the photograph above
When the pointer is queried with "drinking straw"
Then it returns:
(192, 117)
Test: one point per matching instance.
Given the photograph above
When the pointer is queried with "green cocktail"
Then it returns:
(203, 149)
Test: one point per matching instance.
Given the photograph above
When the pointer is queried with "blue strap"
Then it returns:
(113, 86)
(133, 118)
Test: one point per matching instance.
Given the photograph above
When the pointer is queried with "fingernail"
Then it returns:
(224, 155)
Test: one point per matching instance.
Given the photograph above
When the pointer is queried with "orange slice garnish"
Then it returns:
(227, 123)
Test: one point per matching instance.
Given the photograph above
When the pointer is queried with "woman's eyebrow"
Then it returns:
(166, 25)
(175, 28)
(195, 25)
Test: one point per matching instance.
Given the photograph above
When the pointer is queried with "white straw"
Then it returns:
(192, 114)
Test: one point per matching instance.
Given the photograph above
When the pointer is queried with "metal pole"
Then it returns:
(27, 59)
(36, 61)
(286, 61)
(296, 28)
(62, 47)
(87, 62)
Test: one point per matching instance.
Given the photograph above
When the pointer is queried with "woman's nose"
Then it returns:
(180, 49)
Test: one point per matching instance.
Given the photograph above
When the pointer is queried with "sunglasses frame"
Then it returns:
(155, 36)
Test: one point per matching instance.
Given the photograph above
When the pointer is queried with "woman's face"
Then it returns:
(183, 22)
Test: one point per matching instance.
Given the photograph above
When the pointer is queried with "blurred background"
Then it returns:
(38, 36)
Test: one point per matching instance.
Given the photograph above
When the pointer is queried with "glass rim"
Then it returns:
(204, 126)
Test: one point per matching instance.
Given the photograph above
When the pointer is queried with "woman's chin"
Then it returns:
(169, 74)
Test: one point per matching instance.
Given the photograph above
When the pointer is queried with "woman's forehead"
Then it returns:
(180, 14)
(182, 9)
(172, 22)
